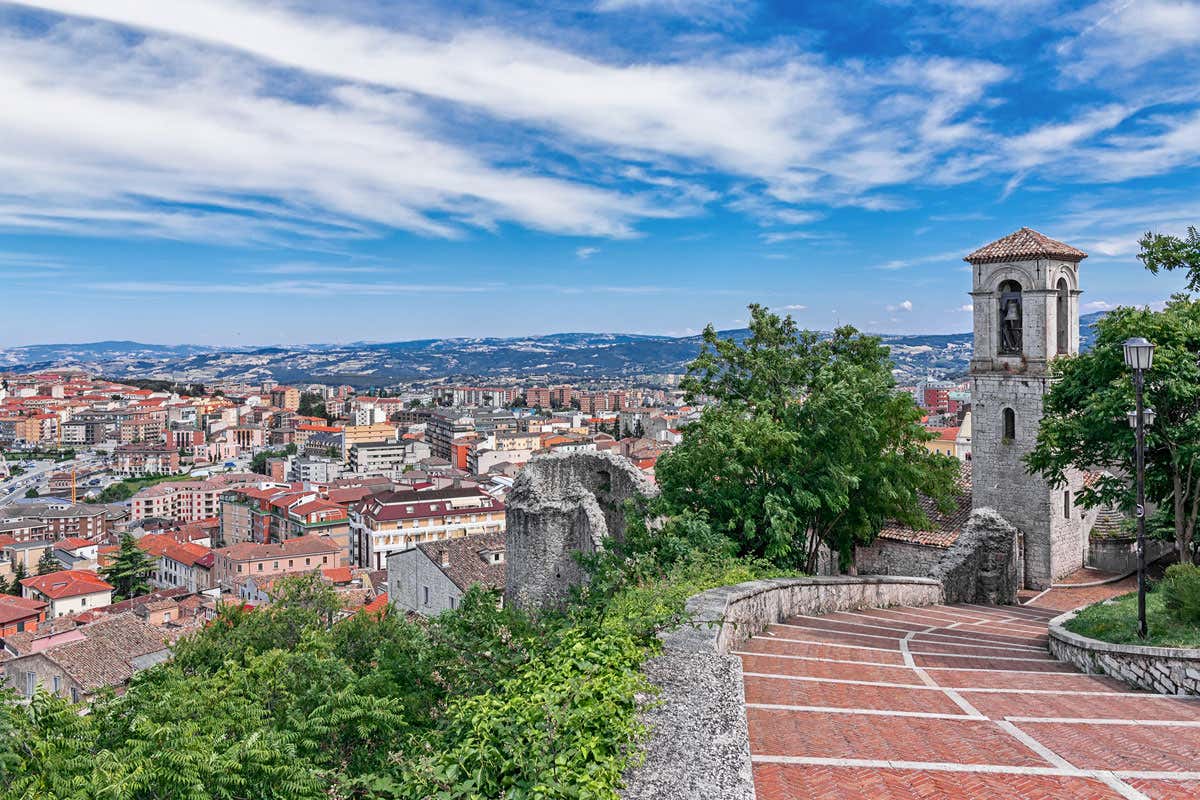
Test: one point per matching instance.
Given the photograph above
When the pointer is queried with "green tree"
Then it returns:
(47, 564)
(130, 570)
(19, 574)
(1169, 253)
(313, 405)
(805, 442)
(5, 586)
(1085, 421)
(31, 493)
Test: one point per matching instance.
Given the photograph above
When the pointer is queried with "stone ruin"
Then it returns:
(983, 564)
(559, 505)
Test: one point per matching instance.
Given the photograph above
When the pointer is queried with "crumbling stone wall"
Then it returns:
(560, 504)
(982, 566)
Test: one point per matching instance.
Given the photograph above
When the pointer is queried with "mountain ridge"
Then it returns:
(569, 355)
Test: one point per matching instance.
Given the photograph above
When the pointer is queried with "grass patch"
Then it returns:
(123, 490)
(1115, 621)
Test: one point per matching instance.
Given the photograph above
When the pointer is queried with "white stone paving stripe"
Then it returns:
(964, 639)
(1033, 744)
(870, 712)
(994, 769)
(914, 652)
(1039, 596)
(965, 690)
(902, 666)
(1179, 723)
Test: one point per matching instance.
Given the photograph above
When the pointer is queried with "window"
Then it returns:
(1010, 425)
(57, 684)
(453, 602)
(260, 566)
(307, 562)
(74, 695)
(30, 683)
(425, 594)
(290, 562)
(1067, 504)
(1062, 315)
(324, 559)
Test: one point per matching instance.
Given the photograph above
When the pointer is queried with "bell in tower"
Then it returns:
(1010, 318)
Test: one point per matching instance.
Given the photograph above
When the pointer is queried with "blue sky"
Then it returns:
(281, 171)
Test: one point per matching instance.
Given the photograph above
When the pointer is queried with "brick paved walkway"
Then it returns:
(954, 702)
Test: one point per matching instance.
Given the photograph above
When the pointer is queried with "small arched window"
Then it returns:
(1010, 425)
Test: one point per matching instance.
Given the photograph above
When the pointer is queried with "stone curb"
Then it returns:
(700, 744)
(1165, 670)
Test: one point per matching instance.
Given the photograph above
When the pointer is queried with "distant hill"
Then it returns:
(578, 356)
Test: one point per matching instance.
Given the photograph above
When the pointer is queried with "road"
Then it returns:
(14, 489)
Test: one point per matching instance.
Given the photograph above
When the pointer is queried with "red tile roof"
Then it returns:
(186, 553)
(944, 527)
(300, 546)
(1023, 245)
(388, 506)
(14, 609)
(67, 583)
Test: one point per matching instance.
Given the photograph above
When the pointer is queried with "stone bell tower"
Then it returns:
(1026, 293)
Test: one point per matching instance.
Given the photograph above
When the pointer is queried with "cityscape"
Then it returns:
(601, 400)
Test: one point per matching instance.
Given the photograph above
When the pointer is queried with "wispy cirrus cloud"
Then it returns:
(807, 128)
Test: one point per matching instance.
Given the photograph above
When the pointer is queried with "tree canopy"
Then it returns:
(1086, 425)
(130, 570)
(805, 442)
(1166, 253)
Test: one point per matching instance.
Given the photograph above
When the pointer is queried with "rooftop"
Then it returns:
(1023, 245)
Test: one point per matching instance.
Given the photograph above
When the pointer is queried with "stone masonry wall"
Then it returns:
(699, 745)
(889, 557)
(562, 504)
(1165, 670)
(981, 566)
(1054, 542)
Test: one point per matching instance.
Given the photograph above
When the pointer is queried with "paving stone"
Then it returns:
(784, 782)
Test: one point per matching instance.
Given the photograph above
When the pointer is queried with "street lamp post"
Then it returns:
(1139, 355)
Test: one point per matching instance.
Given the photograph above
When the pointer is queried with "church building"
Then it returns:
(1026, 303)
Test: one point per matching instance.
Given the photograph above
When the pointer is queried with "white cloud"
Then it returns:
(586, 252)
(903, 305)
(1112, 38)
(1097, 305)
(169, 139)
(795, 307)
(706, 10)
(300, 288)
(966, 307)
(808, 129)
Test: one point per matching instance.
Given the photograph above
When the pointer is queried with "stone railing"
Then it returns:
(699, 744)
(1166, 670)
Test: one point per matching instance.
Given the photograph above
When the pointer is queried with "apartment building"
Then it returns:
(186, 501)
(285, 397)
(290, 557)
(389, 522)
(178, 564)
(136, 460)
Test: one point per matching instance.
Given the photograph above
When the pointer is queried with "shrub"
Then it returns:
(1180, 589)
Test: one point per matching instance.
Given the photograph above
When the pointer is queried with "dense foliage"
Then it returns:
(1085, 421)
(258, 464)
(285, 702)
(129, 571)
(1180, 589)
(1166, 253)
(806, 442)
(313, 405)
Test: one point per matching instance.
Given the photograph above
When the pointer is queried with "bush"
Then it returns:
(1180, 590)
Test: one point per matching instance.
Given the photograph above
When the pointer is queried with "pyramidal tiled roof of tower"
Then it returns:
(1023, 245)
